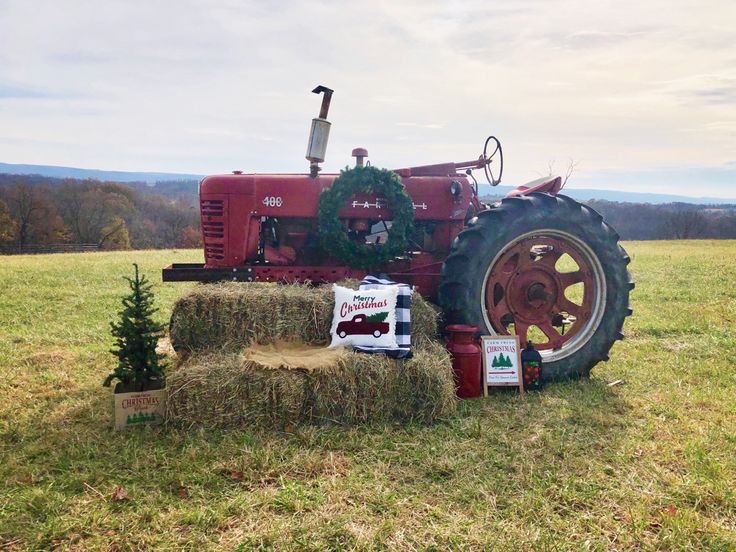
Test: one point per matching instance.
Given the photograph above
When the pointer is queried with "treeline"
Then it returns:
(669, 221)
(38, 210)
(665, 221)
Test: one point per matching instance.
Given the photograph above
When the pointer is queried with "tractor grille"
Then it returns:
(214, 251)
(213, 228)
(213, 207)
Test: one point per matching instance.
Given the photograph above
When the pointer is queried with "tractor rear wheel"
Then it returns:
(547, 269)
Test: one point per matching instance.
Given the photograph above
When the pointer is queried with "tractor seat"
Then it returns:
(548, 184)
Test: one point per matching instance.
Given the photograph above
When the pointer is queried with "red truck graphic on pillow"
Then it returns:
(364, 325)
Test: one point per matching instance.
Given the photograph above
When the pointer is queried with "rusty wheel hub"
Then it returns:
(524, 288)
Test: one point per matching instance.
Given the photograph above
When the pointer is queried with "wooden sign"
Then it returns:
(501, 362)
(140, 408)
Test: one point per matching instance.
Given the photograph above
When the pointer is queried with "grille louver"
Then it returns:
(213, 228)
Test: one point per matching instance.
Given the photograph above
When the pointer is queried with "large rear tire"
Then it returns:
(533, 265)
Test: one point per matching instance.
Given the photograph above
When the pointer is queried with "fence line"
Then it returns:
(36, 249)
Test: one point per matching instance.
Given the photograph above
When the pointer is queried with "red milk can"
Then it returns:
(466, 361)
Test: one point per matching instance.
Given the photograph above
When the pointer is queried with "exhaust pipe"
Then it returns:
(319, 133)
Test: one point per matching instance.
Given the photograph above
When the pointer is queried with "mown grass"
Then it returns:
(647, 464)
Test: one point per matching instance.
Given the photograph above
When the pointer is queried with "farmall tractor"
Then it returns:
(536, 264)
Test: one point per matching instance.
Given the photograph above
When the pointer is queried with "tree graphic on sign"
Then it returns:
(501, 361)
(377, 317)
(140, 417)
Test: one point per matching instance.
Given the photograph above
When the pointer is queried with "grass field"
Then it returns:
(647, 464)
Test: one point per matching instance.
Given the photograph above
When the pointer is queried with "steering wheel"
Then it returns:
(497, 156)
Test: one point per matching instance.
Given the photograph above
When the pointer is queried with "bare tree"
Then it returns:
(36, 218)
(26, 206)
(684, 224)
(571, 166)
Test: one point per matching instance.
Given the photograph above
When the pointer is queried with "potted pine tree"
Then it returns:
(139, 392)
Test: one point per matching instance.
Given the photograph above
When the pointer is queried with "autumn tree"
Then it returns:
(191, 238)
(173, 221)
(89, 210)
(115, 235)
(161, 222)
(37, 220)
(25, 206)
(7, 224)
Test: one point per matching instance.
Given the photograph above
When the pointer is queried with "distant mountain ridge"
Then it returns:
(581, 194)
(586, 194)
(114, 176)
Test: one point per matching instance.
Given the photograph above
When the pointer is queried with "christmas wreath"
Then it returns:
(369, 180)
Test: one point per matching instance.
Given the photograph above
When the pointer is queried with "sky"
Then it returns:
(639, 96)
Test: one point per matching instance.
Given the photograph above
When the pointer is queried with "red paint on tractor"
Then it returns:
(235, 207)
(241, 214)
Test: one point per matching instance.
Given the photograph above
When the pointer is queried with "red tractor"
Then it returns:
(536, 264)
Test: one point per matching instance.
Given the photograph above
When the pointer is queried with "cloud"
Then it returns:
(15, 91)
(421, 125)
(192, 87)
(704, 88)
(717, 95)
(597, 39)
(75, 57)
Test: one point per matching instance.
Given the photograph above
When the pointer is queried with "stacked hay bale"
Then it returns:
(219, 382)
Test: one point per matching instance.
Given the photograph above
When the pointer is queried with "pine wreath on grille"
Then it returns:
(332, 232)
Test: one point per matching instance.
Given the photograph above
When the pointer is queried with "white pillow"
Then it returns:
(364, 317)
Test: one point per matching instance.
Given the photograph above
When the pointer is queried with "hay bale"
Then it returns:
(373, 388)
(230, 316)
(221, 390)
(425, 320)
(228, 389)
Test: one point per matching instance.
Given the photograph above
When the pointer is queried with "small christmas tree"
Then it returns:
(136, 335)
(377, 317)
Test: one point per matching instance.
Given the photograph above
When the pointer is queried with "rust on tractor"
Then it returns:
(525, 288)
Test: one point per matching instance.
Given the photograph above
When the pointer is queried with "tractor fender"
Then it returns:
(547, 184)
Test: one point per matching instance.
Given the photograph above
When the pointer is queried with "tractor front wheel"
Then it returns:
(547, 269)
